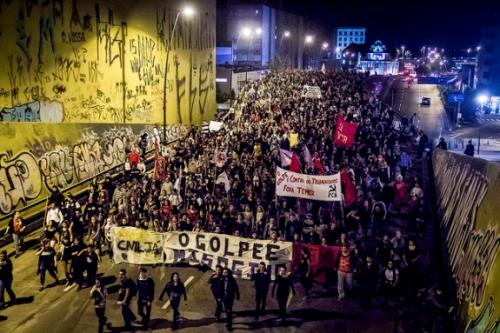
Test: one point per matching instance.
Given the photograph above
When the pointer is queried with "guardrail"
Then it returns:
(35, 220)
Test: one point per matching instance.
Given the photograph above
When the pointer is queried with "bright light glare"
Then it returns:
(337, 49)
(258, 31)
(188, 11)
(482, 99)
(309, 39)
(286, 34)
(325, 45)
(478, 48)
(246, 32)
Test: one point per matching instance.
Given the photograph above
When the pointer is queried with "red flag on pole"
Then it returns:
(295, 163)
(344, 132)
(349, 189)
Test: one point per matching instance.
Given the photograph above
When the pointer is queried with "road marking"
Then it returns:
(186, 284)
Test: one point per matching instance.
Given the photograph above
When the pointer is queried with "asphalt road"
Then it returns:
(55, 311)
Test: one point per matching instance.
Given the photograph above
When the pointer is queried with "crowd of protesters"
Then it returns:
(377, 259)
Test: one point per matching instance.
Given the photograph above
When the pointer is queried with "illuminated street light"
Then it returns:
(309, 39)
(469, 50)
(482, 99)
(286, 34)
(258, 31)
(246, 32)
(478, 48)
(324, 46)
(187, 11)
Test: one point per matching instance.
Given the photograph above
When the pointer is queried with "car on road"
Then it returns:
(426, 101)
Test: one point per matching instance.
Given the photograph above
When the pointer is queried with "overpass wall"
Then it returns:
(468, 192)
(103, 61)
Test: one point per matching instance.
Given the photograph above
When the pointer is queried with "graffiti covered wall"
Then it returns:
(104, 61)
(470, 224)
(41, 158)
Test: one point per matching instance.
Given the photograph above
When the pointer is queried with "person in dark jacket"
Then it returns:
(145, 296)
(98, 293)
(442, 144)
(469, 149)
(6, 278)
(261, 281)
(175, 289)
(46, 262)
(91, 264)
(305, 272)
(367, 280)
(228, 291)
(215, 281)
(283, 284)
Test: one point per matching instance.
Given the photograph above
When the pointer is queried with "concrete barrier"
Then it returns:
(468, 193)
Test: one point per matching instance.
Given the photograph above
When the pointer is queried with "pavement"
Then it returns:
(57, 311)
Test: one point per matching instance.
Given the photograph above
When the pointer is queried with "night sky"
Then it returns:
(452, 24)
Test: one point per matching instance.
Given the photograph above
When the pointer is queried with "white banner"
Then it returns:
(136, 246)
(311, 92)
(292, 184)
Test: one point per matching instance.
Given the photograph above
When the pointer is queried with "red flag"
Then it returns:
(349, 189)
(317, 164)
(159, 166)
(344, 132)
(295, 163)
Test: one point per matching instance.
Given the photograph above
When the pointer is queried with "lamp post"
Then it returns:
(187, 11)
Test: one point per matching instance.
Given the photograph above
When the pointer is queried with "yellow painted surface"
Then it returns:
(37, 158)
(78, 61)
(470, 218)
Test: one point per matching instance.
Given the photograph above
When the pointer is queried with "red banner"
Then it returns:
(344, 132)
(323, 259)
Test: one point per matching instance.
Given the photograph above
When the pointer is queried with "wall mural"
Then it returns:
(468, 208)
(57, 156)
(104, 62)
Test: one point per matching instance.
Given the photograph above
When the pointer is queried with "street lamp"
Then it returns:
(478, 48)
(246, 32)
(324, 46)
(286, 34)
(187, 11)
(258, 31)
(309, 39)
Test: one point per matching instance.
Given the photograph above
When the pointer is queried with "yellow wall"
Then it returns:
(470, 221)
(104, 61)
(37, 158)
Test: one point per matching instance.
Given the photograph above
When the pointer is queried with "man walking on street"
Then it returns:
(284, 284)
(145, 296)
(228, 292)
(6, 278)
(128, 289)
(469, 149)
(261, 280)
(344, 272)
(98, 293)
(215, 284)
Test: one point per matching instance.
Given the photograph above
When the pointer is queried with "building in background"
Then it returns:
(377, 60)
(258, 34)
(489, 55)
(346, 36)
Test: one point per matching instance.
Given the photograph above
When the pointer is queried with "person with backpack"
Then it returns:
(127, 292)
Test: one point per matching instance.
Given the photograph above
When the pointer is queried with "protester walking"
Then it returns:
(99, 294)
(127, 292)
(469, 149)
(215, 285)
(367, 281)
(228, 291)
(145, 296)
(175, 289)
(390, 279)
(16, 228)
(283, 284)
(47, 262)
(261, 281)
(305, 272)
(91, 264)
(6, 278)
(345, 267)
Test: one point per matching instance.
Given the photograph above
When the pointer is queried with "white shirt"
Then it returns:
(54, 214)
